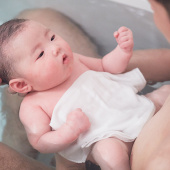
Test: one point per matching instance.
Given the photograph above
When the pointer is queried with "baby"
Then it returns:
(78, 106)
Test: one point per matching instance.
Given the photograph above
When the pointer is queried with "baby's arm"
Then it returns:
(40, 135)
(117, 60)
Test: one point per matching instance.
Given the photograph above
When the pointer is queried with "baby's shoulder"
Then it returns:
(30, 98)
(29, 106)
(30, 101)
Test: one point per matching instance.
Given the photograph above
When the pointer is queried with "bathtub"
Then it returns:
(99, 19)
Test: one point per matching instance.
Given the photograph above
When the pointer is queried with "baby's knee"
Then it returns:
(116, 163)
(111, 155)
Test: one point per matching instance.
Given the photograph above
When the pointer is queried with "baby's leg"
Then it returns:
(159, 96)
(111, 154)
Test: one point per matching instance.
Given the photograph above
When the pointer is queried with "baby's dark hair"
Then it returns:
(8, 30)
(166, 4)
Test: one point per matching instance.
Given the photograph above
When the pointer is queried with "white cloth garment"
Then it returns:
(112, 106)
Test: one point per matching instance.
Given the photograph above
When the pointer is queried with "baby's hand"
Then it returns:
(124, 38)
(78, 121)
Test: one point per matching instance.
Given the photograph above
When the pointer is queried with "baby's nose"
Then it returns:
(56, 50)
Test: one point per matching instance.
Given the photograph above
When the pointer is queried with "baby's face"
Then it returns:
(42, 58)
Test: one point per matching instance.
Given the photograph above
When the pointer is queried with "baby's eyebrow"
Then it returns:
(34, 48)
(46, 32)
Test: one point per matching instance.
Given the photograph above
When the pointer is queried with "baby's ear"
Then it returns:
(20, 85)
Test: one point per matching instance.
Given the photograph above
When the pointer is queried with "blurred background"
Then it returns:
(99, 18)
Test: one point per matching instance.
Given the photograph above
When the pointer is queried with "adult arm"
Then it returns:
(11, 159)
(153, 63)
(151, 149)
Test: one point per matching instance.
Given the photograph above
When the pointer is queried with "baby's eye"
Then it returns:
(41, 54)
(53, 37)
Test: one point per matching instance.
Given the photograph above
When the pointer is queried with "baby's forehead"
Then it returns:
(32, 27)
(30, 30)
(33, 23)
(30, 34)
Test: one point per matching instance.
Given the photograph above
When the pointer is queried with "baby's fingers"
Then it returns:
(127, 45)
(116, 34)
(123, 29)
